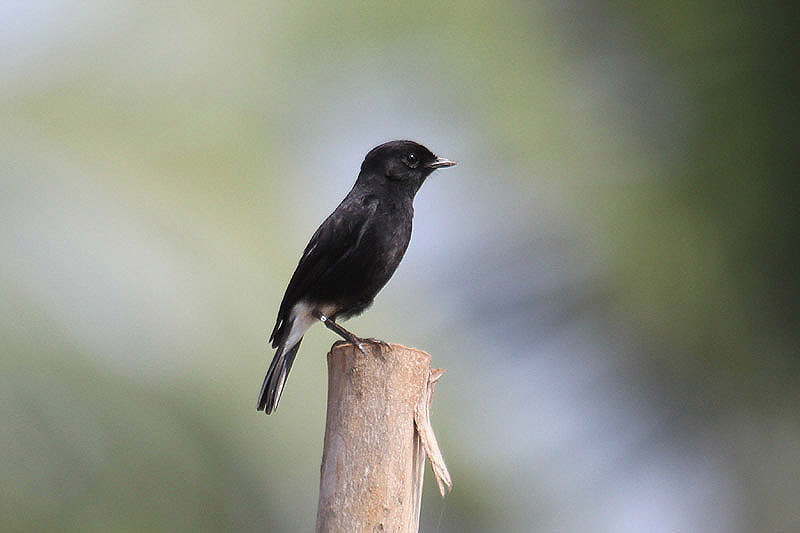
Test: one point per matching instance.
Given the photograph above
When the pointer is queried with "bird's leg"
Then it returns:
(339, 330)
(349, 337)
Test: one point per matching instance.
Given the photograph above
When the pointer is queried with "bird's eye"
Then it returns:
(411, 160)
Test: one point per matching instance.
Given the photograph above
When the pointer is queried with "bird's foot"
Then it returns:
(371, 341)
(348, 337)
(358, 342)
(362, 343)
(382, 344)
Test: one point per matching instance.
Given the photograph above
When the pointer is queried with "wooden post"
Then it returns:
(377, 434)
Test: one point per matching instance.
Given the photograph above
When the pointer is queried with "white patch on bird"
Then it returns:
(303, 316)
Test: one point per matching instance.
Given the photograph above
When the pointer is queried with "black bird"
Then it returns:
(351, 256)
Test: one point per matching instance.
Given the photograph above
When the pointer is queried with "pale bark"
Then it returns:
(377, 434)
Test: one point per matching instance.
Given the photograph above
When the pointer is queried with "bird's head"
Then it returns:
(402, 162)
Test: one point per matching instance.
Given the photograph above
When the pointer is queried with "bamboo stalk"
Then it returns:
(377, 434)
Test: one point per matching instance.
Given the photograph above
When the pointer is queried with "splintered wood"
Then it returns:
(377, 434)
(422, 420)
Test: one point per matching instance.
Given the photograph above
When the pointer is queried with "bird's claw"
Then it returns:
(382, 344)
(361, 343)
(357, 343)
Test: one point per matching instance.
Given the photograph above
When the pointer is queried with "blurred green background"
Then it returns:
(608, 275)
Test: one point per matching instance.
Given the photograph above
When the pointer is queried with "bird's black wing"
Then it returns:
(331, 245)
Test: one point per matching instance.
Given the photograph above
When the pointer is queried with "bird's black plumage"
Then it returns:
(352, 254)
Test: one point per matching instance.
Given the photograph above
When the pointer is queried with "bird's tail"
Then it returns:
(276, 376)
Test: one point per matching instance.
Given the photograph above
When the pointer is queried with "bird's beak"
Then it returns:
(440, 162)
